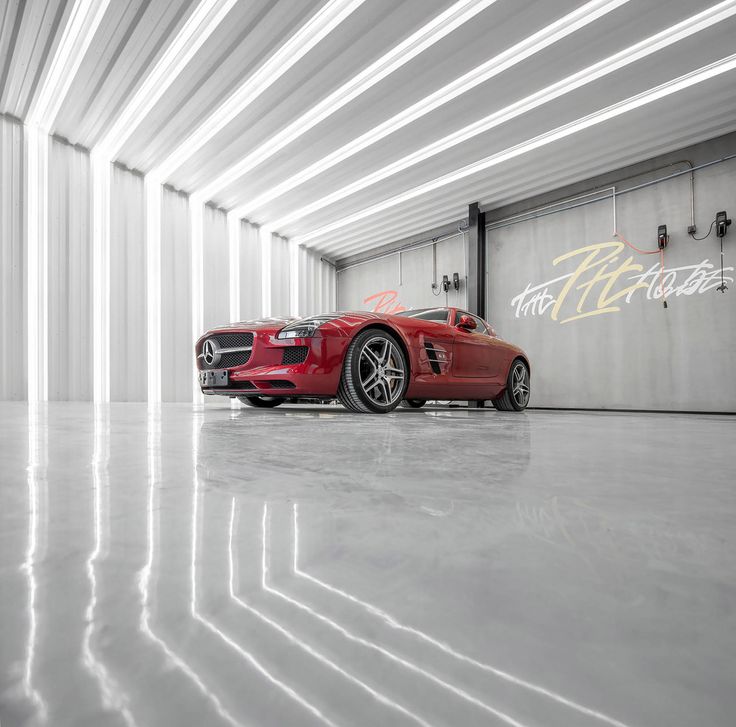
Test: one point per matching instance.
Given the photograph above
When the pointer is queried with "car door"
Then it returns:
(475, 353)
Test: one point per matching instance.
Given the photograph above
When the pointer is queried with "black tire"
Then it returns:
(261, 402)
(356, 373)
(513, 398)
(413, 403)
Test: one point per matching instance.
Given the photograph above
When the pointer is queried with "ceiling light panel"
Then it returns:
(27, 31)
(80, 27)
(525, 48)
(131, 38)
(408, 87)
(499, 26)
(702, 75)
(204, 20)
(312, 32)
(699, 52)
(437, 28)
(573, 160)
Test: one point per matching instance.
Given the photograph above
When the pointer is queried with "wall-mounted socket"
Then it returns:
(691, 229)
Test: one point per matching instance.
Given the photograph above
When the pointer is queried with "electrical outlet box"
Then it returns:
(691, 229)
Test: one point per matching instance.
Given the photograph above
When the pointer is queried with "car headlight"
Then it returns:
(305, 328)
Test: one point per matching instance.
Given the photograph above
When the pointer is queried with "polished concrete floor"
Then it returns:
(308, 566)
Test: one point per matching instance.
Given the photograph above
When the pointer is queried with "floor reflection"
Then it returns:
(113, 699)
(37, 522)
(162, 566)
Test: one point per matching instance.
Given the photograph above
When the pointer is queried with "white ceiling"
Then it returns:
(134, 35)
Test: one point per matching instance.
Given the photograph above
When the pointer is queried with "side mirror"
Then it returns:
(467, 323)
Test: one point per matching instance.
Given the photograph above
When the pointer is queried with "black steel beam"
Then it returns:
(475, 259)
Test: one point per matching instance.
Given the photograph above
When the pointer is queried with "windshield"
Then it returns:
(439, 315)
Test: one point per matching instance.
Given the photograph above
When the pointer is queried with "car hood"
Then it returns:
(274, 324)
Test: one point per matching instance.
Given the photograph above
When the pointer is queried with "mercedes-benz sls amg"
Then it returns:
(370, 362)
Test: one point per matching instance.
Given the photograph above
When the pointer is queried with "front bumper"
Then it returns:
(266, 373)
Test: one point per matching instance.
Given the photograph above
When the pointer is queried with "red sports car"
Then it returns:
(370, 362)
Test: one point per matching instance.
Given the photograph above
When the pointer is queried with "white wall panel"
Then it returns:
(12, 264)
(280, 264)
(317, 283)
(177, 357)
(128, 320)
(216, 264)
(69, 274)
(251, 301)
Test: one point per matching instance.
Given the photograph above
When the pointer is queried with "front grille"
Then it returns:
(233, 340)
(295, 354)
(229, 359)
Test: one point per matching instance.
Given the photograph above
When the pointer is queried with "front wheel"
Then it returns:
(261, 402)
(413, 403)
(375, 373)
(516, 395)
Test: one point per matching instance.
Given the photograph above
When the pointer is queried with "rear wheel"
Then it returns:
(413, 403)
(375, 373)
(261, 402)
(516, 395)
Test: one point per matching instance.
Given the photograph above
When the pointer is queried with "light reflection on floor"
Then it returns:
(310, 566)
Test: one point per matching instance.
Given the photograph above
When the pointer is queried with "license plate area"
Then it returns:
(213, 378)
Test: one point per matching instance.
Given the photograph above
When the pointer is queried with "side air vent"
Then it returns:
(433, 357)
(295, 355)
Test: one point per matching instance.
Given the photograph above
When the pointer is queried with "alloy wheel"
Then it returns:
(382, 371)
(520, 384)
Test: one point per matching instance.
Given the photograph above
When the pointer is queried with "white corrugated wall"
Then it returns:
(12, 264)
(251, 283)
(176, 298)
(67, 276)
(317, 281)
(128, 310)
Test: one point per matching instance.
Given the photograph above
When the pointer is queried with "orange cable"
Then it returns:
(649, 252)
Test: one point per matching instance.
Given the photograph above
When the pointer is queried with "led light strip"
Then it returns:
(609, 65)
(666, 89)
(512, 56)
(233, 240)
(439, 27)
(196, 223)
(83, 21)
(288, 55)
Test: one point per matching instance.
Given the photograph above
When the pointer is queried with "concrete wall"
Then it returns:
(404, 280)
(598, 346)
(603, 343)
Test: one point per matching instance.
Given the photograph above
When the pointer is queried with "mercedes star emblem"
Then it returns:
(211, 352)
